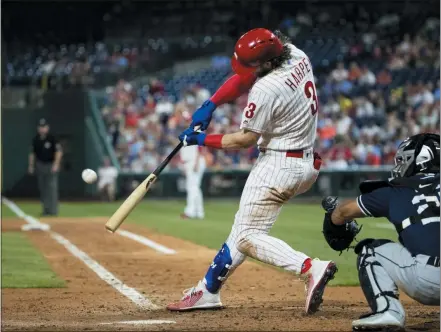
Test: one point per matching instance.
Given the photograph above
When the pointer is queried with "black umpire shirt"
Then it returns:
(45, 148)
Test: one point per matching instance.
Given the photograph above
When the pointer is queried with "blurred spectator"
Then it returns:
(345, 103)
(156, 87)
(327, 130)
(384, 78)
(340, 73)
(344, 87)
(426, 94)
(339, 155)
(331, 107)
(405, 46)
(328, 88)
(120, 61)
(369, 39)
(367, 77)
(364, 109)
(354, 72)
(397, 61)
(164, 108)
(343, 125)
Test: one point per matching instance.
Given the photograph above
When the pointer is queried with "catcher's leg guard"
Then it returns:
(379, 289)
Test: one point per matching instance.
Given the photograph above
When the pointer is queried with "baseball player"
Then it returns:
(410, 200)
(281, 117)
(193, 164)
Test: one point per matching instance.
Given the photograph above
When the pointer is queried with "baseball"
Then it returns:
(89, 176)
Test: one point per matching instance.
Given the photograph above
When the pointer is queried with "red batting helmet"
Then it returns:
(253, 49)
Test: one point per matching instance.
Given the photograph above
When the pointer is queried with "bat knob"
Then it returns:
(109, 230)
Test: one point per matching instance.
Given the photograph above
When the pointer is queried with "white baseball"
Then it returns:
(89, 176)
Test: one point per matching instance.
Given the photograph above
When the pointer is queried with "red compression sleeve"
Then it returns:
(233, 88)
(214, 141)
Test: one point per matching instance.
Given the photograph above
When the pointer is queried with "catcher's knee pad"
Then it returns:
(373, 278)
(373, 243)
(218, 270)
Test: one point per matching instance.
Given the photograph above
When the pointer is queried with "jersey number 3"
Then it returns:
(310, 93)
(250, 111)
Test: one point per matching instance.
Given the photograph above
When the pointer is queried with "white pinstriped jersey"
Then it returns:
(282, 106)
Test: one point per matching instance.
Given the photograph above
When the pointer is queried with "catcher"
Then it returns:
(410, 200)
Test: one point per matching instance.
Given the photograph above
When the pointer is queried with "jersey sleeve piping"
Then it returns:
(363, 209)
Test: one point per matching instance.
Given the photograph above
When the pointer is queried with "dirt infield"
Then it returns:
(257, 297)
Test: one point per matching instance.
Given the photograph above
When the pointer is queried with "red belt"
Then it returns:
(289, 153)
(294, 153)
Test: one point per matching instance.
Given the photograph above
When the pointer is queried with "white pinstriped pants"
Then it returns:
(195, 198)
(274, 179)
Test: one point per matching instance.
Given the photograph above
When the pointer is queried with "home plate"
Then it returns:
(143, 322)
(38, 227)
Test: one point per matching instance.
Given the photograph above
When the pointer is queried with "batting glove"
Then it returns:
(202, 117)
(194, 138)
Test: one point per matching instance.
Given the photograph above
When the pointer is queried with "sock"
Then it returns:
(306, 266)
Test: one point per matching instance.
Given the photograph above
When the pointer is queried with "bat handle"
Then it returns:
(165, 162)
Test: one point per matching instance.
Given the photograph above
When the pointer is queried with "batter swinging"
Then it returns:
(281, 117)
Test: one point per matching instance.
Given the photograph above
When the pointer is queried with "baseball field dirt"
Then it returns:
(257, 297)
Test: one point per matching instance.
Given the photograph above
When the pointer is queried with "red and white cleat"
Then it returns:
(317, 277)
(196, 298)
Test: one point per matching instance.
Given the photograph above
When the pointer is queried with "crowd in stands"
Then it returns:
(80, 64)
(376, 67)
(367, 106)
(144, 124)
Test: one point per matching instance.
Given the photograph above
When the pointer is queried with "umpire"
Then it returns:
(44, 160)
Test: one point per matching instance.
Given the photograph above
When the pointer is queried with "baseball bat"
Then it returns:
(137, 195)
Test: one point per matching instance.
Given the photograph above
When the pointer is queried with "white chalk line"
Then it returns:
(142, 322)
(32, 223)
(12, 206)
(147, 242)
(31, 323)
(129, 292)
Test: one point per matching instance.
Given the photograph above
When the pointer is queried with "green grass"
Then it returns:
(300, 225)
(6, 213)
(23, 266)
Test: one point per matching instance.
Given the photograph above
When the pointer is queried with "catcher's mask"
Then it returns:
(417, 154)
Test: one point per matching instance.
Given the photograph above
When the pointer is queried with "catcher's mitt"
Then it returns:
(339, 237)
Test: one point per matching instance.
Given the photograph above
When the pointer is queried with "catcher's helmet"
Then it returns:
(253, 49)
(417, 154)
